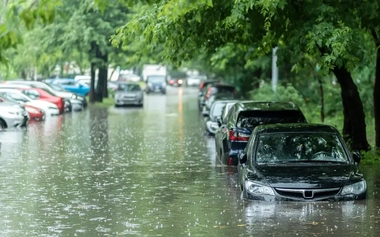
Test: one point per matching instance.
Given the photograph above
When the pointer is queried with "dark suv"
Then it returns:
(243, 117)
(156, 84)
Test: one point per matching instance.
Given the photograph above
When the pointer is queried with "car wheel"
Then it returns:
(116, 106)
(3, 126)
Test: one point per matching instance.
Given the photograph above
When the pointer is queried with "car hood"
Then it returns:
(42, 104)
(315, 176)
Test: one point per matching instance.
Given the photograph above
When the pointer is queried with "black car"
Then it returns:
(299, 162)
(156, 83)
(244, 116)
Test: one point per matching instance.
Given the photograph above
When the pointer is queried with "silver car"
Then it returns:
(129, 93)
(12, 116)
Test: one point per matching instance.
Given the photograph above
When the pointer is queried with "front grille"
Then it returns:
(307, 193)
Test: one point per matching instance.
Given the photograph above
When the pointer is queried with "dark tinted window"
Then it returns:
(251, 119)
(302, 147)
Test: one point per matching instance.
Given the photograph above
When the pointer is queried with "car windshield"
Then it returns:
(156, 79)
(251, 119)
(8, 98)
(129, 87)
(274, 148)
(217, 109)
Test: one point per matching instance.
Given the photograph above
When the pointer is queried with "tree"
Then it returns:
(17, 15)
(186, 28)
(82, 28)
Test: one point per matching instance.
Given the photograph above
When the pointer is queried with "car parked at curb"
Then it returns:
(48, 107)
(72, 85)
(72, 100)
(38, 93)
(35, 114)
(299, 162)
(12, 116)
(243, 117)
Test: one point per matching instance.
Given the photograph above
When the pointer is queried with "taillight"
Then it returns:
(235, 136)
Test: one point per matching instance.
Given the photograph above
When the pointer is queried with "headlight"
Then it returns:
(73, 96)
(164, 84)
(258, 189)
(149, 84)
(356, 188)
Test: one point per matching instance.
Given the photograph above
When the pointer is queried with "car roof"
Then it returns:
(266, 105)
(294, 128)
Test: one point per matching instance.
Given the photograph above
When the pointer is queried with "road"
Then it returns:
(148, 172)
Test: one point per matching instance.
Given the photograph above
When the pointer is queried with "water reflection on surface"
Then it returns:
(148, 172)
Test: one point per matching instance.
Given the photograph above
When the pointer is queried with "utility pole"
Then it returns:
(274, 69)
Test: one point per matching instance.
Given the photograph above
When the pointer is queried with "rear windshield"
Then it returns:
(251, 119)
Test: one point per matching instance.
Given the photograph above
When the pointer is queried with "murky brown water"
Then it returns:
(148, 172)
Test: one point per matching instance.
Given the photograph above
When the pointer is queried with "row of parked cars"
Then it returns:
(277, 153)
(22, 101)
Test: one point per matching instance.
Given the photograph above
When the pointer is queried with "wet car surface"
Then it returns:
(148, 172)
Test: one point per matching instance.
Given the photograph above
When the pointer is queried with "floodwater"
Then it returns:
(148, 172)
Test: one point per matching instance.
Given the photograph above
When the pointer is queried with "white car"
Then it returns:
(48, 107)
(193, 81)
(12, 116)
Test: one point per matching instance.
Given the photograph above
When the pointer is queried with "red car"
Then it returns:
(35, 114)
(41, 94)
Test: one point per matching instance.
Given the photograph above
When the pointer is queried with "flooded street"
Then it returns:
(148, 172)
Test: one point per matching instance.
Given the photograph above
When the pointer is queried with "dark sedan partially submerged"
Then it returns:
(299, 162)
(129, 93)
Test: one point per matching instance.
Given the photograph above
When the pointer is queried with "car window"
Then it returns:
(17, 97)
(251, 119)
(299, 147)
(32, 93)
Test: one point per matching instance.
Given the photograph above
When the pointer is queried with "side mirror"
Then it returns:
(242, 157)
(357, 157)
(200, 94)
(205, 113)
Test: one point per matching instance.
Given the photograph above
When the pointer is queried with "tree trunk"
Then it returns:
(92, 83)
(322, 100)
(101, 89)
(354, 119)
(376, 98)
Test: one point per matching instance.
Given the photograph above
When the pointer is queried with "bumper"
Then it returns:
(278, 198)
(128, 102)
